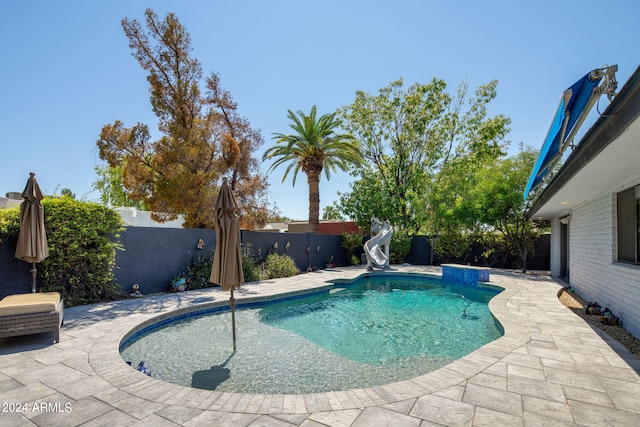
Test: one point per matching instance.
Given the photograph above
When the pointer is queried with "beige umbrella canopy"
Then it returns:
(32, 240)
(227, 261)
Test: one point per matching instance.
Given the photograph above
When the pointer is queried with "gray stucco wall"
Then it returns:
(153, 256)
(15, 277)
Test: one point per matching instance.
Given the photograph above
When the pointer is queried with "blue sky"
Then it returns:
(67, 69)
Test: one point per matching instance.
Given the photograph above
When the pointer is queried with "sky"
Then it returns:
(67, 70)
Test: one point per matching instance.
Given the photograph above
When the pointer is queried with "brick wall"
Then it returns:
(594, 272)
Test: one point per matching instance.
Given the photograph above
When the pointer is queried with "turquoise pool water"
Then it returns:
(374, 331)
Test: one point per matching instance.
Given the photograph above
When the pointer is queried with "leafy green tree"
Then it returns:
(496, 202)
(412, 141)
(314, 146)
(111, 188)
(66, 192)
(203, 136)
(452, 243)
(332, 213)
(370, 198)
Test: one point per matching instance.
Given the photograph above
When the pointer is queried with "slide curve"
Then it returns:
(372, 247)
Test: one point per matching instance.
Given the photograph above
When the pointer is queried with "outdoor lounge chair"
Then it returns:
(34, 313)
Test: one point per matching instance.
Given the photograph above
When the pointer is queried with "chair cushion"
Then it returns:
(43, 302)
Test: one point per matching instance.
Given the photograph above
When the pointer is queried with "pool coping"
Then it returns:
(105, 360)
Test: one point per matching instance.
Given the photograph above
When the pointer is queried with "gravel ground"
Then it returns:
(577, 304)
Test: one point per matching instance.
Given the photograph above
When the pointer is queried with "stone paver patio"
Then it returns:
(550, 368)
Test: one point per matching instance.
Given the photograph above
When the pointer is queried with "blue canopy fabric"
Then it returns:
(572, 106)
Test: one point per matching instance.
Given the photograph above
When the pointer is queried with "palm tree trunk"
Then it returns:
(313, 179)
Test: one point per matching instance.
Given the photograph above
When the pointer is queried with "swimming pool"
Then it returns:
(375, 330)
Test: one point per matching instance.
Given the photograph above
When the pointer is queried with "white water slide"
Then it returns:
(372, 247)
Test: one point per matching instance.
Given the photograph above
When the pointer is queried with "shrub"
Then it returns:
(495, 250)
(400, 246)
(250, 269)
(452, 244)
(198, 272)
(82, 239)
(350, 241)
(277, 265)
(197, 275)
(9, 225)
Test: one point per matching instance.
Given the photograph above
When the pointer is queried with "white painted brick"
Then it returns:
(593, 270)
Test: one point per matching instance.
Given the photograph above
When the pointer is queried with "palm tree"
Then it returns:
(314, 146)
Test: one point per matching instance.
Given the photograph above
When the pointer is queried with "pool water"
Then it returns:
(378, 330)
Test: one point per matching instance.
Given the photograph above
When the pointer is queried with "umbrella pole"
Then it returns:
(233, 319)
(33, 277)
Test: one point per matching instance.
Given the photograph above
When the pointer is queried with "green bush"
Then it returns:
(9, 225)
(82, 239)
(197, 275)
(250, 268)
(400, 246)
(495, 247)
(198, 272)
(350, 241)
(452, 244)
(277, 265)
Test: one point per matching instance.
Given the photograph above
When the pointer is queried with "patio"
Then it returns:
(550, 368)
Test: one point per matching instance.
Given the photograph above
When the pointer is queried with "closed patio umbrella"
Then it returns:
(227, 261)
(32, 240)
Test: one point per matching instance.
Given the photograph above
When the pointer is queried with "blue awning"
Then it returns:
(572, 106)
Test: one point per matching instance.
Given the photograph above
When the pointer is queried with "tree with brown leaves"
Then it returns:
(203, 136)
